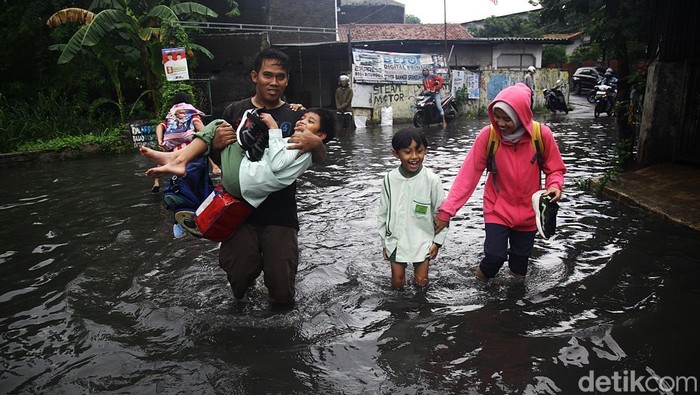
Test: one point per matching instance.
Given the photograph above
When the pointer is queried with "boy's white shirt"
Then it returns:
(411, 233)
(277, 169)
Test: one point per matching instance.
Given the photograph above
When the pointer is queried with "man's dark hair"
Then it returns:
(327, 122)
(405, 136)
(280, 58)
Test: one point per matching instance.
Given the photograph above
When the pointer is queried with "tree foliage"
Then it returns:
(508, 26)
(120, 32)
(553, 54)
(619, 28)
(412, 19)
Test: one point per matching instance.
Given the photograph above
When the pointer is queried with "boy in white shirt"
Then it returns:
(409, 201)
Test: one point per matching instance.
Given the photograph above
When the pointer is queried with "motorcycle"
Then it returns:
(426, 110)
(554, 99)
(604, 98)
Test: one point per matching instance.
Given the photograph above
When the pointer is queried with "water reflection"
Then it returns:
(99, 297)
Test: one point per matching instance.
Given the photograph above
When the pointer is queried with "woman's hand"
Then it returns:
(554, 192)
(439, 224)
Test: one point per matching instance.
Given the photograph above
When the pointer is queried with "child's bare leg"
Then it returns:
(158, 157)
(179, 162)
(420, 274)
(398, 276)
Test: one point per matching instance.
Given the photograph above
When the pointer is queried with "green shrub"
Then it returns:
(49, 116)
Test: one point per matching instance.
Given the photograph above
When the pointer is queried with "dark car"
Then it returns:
(585, 78)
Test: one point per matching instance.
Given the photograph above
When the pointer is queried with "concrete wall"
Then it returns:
(471, 56)
(367, 13)
(517, 49)
(661, 114)
(491, 82)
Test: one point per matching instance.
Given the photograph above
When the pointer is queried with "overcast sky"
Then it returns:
(458, 11)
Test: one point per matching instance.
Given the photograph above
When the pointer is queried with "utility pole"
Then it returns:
(444, 10)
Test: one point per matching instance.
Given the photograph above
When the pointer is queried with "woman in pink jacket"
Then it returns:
(515, 175)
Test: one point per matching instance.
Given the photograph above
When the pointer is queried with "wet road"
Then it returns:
(97, 296)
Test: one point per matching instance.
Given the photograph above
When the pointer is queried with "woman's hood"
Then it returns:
(518, 97)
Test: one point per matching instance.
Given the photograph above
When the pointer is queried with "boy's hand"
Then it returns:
(440, 224)
(433, 251)
(223, 137)
(386, 257)
(268, 121)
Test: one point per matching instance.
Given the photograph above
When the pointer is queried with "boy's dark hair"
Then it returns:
(405, 136)
(327, 124)
(280, 57)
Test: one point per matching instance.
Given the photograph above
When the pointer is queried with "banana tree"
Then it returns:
(119, 29)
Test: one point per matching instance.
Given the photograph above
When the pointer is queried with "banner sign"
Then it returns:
(144, 134)
(372, 67)
(175, 64)
(465, 78)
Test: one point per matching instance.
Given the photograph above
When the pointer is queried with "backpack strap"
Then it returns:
(539, 148)
(491, 147)
(537, 144)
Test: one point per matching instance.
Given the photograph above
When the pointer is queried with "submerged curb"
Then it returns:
(668, 190)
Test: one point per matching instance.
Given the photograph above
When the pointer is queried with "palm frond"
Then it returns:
(73, 46)
(104, 22)
(201, 49)
(66, 15)
(191, 8)
(120, 5)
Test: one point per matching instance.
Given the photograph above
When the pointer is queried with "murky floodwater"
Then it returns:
(97, 296)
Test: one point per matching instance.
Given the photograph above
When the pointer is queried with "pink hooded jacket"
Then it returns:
(510, 203)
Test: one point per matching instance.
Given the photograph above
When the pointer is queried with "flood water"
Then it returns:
(98, 297)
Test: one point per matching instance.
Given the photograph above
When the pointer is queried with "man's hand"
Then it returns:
(223, 136)
(297, 107)
(440, 224)
(308, 142)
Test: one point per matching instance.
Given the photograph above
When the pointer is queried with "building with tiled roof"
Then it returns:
(400, 31)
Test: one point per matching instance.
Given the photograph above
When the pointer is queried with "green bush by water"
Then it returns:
(53, 122)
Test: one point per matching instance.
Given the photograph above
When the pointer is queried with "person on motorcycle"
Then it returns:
(610, 80)
(433, 83)
(530, 82)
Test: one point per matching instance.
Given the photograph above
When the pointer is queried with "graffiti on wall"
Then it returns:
(386, 95)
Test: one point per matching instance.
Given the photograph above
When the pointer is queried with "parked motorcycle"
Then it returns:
(604, 98)
(426, 110)
(554, 99)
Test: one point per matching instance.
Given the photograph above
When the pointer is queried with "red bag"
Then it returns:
(220, 215)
